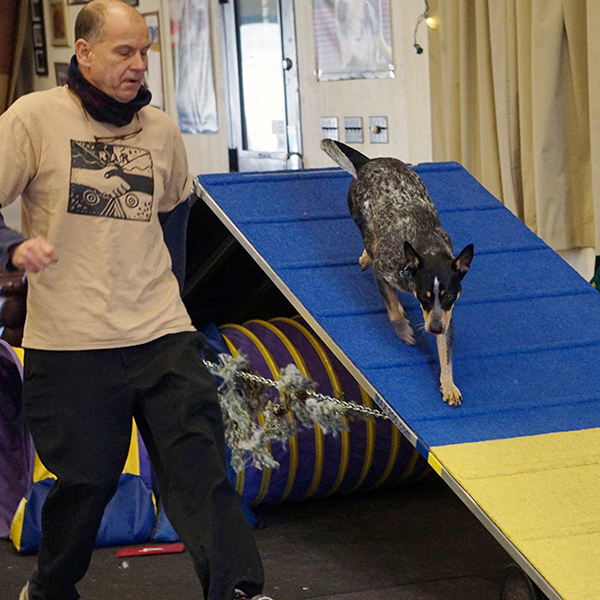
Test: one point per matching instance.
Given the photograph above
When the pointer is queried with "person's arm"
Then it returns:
(18, 253)
(9, 240)
(18, 165)
(33, 255)
(180, 182)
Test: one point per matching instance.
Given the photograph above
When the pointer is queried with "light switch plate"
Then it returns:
(378, 130)
(329, 128)
(353, 129)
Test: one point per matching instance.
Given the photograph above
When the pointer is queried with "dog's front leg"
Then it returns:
(450, 393)
(396, 313)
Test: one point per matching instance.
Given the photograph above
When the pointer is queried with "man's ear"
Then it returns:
(82, 51)
(413, 260)
(462, 262)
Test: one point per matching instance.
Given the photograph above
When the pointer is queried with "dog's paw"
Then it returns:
(451, 395)
(365, 261)
(404, 332)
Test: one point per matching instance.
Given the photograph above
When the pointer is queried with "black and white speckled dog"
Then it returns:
(407, 247)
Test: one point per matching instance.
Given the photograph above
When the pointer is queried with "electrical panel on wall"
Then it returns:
(329, 128)
(378, 130)
(353, 129)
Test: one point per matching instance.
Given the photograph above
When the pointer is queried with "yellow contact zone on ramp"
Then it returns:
(543, 493)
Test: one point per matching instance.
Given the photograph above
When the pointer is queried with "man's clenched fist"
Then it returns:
(33, 255)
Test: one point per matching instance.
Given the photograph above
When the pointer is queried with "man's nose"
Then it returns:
(139, 62)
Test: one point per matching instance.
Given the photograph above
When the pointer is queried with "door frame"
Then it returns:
(241, 159)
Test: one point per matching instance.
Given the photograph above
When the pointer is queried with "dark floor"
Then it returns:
(415, 542)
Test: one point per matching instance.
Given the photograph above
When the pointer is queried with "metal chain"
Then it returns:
(212, 367)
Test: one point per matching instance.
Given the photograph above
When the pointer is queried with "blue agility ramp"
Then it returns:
(523, 450)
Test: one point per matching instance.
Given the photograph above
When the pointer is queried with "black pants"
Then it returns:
(79, 407)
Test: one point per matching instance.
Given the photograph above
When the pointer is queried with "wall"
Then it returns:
(404, 99)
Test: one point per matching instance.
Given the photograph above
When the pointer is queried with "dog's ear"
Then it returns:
(462, 262)
(413, 261)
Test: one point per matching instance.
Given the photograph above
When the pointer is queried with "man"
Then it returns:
(107, 337)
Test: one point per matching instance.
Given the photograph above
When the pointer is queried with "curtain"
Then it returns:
(13, 23)
(514, 101)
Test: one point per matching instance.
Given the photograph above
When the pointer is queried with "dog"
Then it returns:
(409, 250)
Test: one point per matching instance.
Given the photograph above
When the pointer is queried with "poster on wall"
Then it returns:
(59, 23)
(154, 76)
(353, 39)
(192, 57)
(61, 70)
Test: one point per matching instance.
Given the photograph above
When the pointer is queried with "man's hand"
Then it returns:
(33, 255)
(106, 180)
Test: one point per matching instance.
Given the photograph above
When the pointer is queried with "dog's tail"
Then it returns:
(349, 159)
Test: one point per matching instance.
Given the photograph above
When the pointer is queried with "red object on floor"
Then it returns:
(149, 550)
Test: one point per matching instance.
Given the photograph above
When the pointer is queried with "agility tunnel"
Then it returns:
(522, 451)
(372, 453)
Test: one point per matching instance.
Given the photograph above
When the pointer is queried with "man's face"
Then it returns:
(116, 64)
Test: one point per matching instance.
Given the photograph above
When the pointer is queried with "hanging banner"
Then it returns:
(353, 39)
(192, 58)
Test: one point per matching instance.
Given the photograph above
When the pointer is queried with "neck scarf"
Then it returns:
(101, 106)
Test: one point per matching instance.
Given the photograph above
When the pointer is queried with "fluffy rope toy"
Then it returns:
(253, 421)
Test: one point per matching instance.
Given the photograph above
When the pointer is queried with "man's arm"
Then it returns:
(21, 254)
(33, 255)
(9, 240)
(18, 165)
(180, 181)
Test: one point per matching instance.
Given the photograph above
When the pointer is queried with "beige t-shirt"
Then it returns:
(96, 200)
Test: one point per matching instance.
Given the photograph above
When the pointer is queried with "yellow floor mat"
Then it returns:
(543, 492)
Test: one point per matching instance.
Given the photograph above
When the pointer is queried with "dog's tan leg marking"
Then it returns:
(370, 241)
(450, 393)
(365, 261)
(397, 315)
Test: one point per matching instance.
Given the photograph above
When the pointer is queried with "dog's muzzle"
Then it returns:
(436, 322)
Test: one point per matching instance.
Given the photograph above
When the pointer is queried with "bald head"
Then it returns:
(91, 20)
(112, 48)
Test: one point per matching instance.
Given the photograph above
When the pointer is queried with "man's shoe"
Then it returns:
(239, 595)
(24, 595)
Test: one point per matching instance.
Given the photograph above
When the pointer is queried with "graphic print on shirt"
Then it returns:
(109, 180)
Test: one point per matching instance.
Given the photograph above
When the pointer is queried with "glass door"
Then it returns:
(262, 85)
